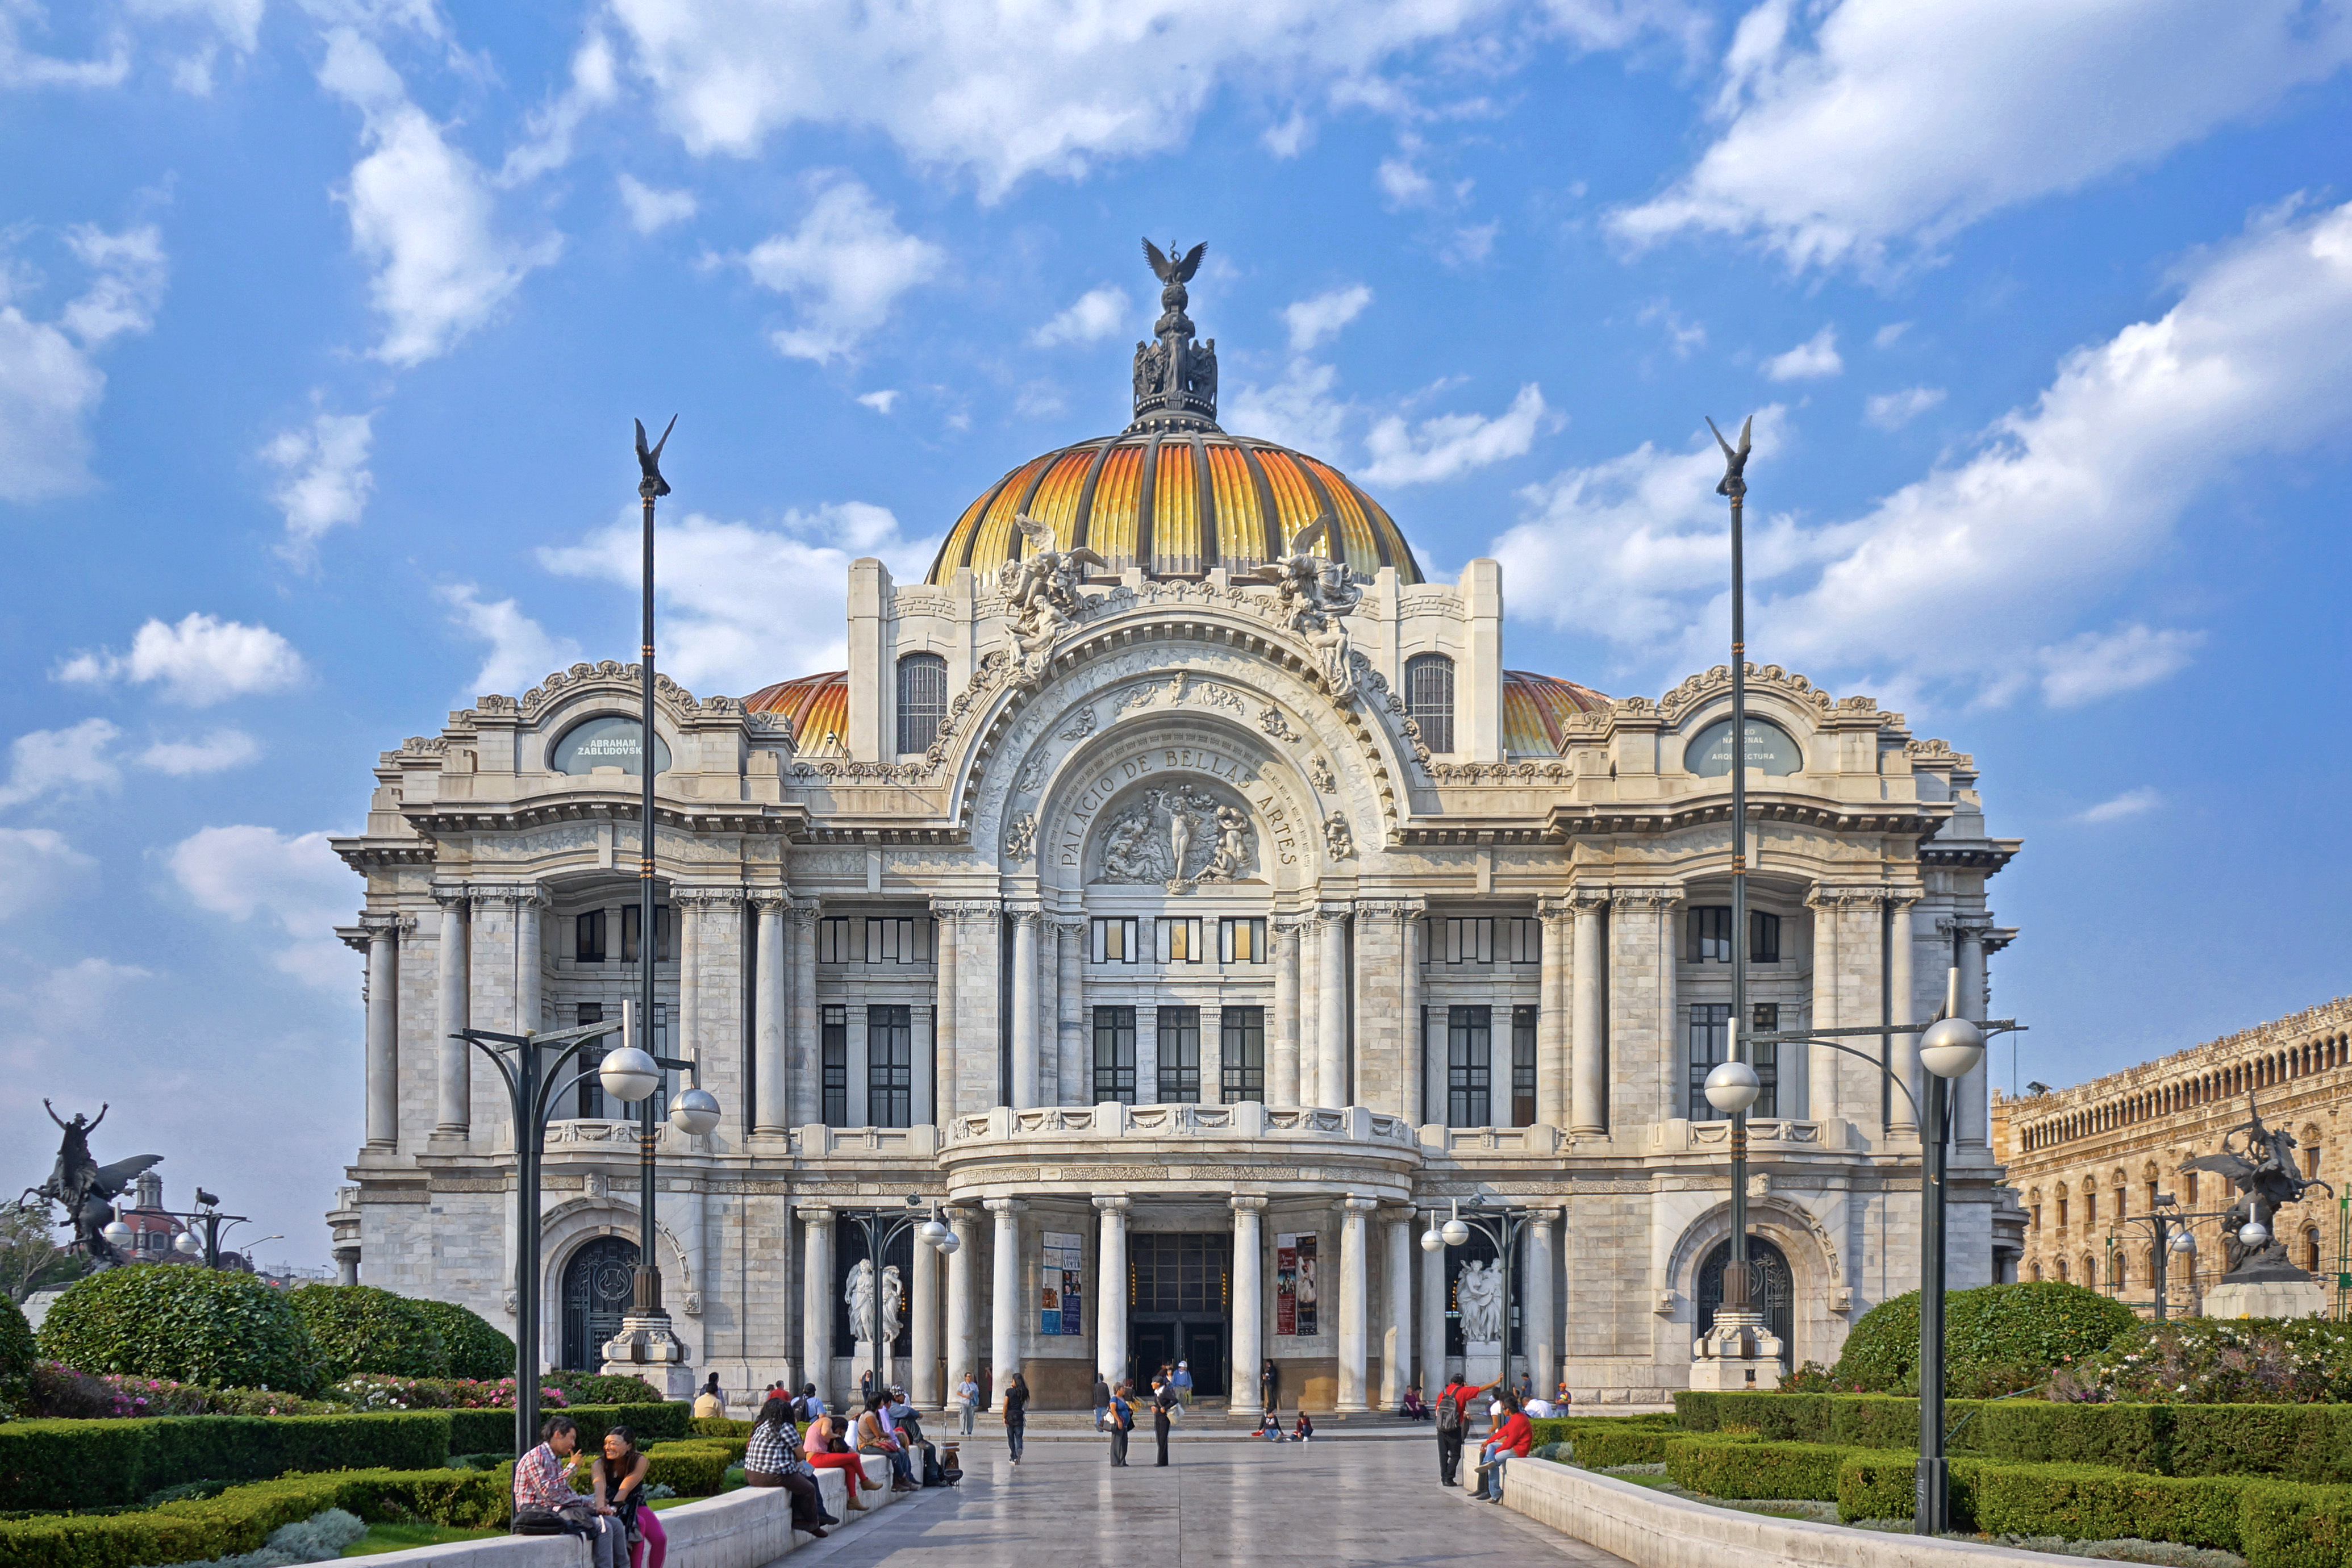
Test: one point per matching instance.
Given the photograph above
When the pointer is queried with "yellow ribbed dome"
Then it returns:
(1177, 503)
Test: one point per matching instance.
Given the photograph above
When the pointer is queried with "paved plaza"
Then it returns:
(1327, 1502)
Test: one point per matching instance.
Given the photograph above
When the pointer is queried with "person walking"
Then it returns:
(1452, 1421)
(967, 1396)
(1163, 1400)
(1102, 1400)
(1016, 1414)
(1122, 1422)
(1269, 1387)
(1183, 1381)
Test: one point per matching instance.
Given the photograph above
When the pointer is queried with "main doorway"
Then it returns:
(1771, 1266)
(1180, 1306)
(596, 1295)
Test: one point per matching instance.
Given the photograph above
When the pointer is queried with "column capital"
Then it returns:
(801, 912)
(386, 925)
(1241, 1203)
(1070, 928)
(1656, 900)
(1005, 1205)
(1115, 1204)
(1586, 900)
(1968, 927)
(451, 895)
(1395, 909)
(1869, 895)
(769, 900)
(708, 895)
(1025, 915)
(814, 1212)
(522, 895)
(1357, 1204)
(1333, 914)
(1545, 1216)
(958, 1214)
(1555, 910)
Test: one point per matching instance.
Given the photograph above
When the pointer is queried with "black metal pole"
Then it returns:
(644, 1282)
(525, 1088)
(1738, 1265)
(1930, 1494)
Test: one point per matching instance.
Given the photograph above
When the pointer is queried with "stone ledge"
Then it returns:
(1651, 1530)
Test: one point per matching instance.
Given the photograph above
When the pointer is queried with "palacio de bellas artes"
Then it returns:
(1183, 899)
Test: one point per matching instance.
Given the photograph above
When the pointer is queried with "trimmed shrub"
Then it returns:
(1738, 1467)
(2281, 1525)
(359, 1328)
(694, 1470)
(1603, 1442)
(596, 1388)
(2224, 1360)
(17, 1354)
(97, 1464)
(1882, 1347)
(651, 1424)
(2295, 1441)
(477, 1348)
(2086, 1503)
(1997, 1338)
(718, 1426)
(481, 1432)
(1878, 1484)
(192, 1325)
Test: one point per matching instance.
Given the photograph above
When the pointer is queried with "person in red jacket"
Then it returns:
(1511, 1440)
(1453, 1421)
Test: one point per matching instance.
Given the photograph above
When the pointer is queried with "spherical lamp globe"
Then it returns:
(1732, 1087)
(629, 1075)
(1951, 1048)
(2253, 1235)
(695, 1112)
(1454, 1233)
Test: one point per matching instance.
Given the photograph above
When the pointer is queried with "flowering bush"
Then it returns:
(596, 1388)
(57, 1390)
(2220, 1361)
(369, 1391)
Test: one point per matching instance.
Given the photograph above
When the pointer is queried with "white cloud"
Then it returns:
(421, 215)
(2100, 664)
(1893, 123)
(2032, 531)
(21, 66)
(1000, 90)
(1683, 336)
(652, 210)
(1889, 335)
(720, 584)
(212, 752)
(327, 482)
(2131, 802)
(1097, 314)
(1402, 184)
(200, 661)
(1470, 246)
(1814, 358)
(844, 267)
(1296, 411)
(522, 650)
(1315, 322)
(49, 384)
(1451, 444)
(1894, 410)
(881, 402)
(1290, 138)
(550, 128)
(37, 865)
(294, 882)
(67, 762)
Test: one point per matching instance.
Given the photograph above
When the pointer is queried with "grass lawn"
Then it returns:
(401, 1537)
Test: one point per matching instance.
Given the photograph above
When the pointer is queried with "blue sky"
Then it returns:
(321, 325)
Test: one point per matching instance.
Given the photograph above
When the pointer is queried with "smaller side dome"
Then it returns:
(1536, 708)
(817, 706)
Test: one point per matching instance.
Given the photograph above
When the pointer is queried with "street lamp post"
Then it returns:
(2168, 1224)
(629, 1075)
(215, 1223)
(882, 1228)
(1500, 1226)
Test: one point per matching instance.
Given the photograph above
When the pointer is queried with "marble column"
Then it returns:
(1355, 1284)
(923, 1389)
(1970, 1115)
(772, 1100)
(923, 1076)
(1111, 1296)
(964, 1350)
(1331, 1010)
(1004, 1313)
(1589, 1054)
(1540, 1316)
(1396, 1319)
(1433, 1321)
(530, 963)
(1551, 1017)
(1024, 1008)
(1832, 933)
(1249, 1297)
(807, 1078)
(1282, 1048)
(1310, 1001)
(454, 1058)
(816, 1298)
(860, 1061)
(948, 930)
(1411, 931)
(979, 1074)
(1902, 1050)
(685, 908)
(1073, 1085)
(1049, 1013)
(383, 1029)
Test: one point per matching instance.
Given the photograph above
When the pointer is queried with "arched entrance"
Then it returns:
(1780, 1290)
(596, 1292)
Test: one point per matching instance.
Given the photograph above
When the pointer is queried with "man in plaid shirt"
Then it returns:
(541, 1481)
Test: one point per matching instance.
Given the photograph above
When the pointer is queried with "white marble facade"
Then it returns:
(1043, 808)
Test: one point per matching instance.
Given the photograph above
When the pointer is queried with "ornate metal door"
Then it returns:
(1780, 1290)
(596, 1298)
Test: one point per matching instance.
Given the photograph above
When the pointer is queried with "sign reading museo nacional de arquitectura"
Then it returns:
(1180, 891)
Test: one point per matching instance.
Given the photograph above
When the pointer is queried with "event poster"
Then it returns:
(1062, 1307)
(1294, 1282)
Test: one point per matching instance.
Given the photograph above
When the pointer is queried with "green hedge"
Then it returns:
(18, 1351)
(476, 1347)
(1742, 1467)
(718, 1426)
(663, 1423)
(240, 1518)
(100, 1464)
(2282, 1525)
(1605, 1442)
(212, 1326)
(359, 1328)
(696, 1468)
(481, 1431)
(1997, 1338)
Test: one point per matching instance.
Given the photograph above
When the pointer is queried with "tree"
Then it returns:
(30, 1257)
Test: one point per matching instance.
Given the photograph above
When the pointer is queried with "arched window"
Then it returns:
(2311, 1249)
(2062, 1269)
(922, 701)
(2037, 1271)
(1429, 698)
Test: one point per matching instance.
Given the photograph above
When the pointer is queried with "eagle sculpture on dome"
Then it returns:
(1180, 270)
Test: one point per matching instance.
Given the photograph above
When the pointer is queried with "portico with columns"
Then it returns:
(1189, 948)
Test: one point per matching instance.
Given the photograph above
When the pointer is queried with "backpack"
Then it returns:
(1449, 1415)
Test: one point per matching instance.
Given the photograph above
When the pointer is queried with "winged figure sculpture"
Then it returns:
(652, 484)
(1733, 482)
(85, 1189)
(2259, 1160)
(1170, 267)
(1041, 591)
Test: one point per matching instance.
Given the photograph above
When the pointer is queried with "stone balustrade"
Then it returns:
(1764, 1135)
(1221, 1122)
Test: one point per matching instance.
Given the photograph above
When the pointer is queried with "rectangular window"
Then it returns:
(2151, 1197)
(834, 1055)
(1523, 1066)
(1710, 934)
(662, 929)
(837, 941)
(2090, 1206)
(1114, 940)
(1469, 1067)
(1764, 1018)
(1527, 940)
(895, 940)
(1763, 937)
(2120, 1209)
(1241, 1057)
(1180, 939)
(1710, 1042)
(1463, 939)
(1180, 1054)
(588, 938)
(1241, 939)
(593, 1106)
(2061, 1214)
(2037, 1216)
(890, 1067)
(1115, 1053)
